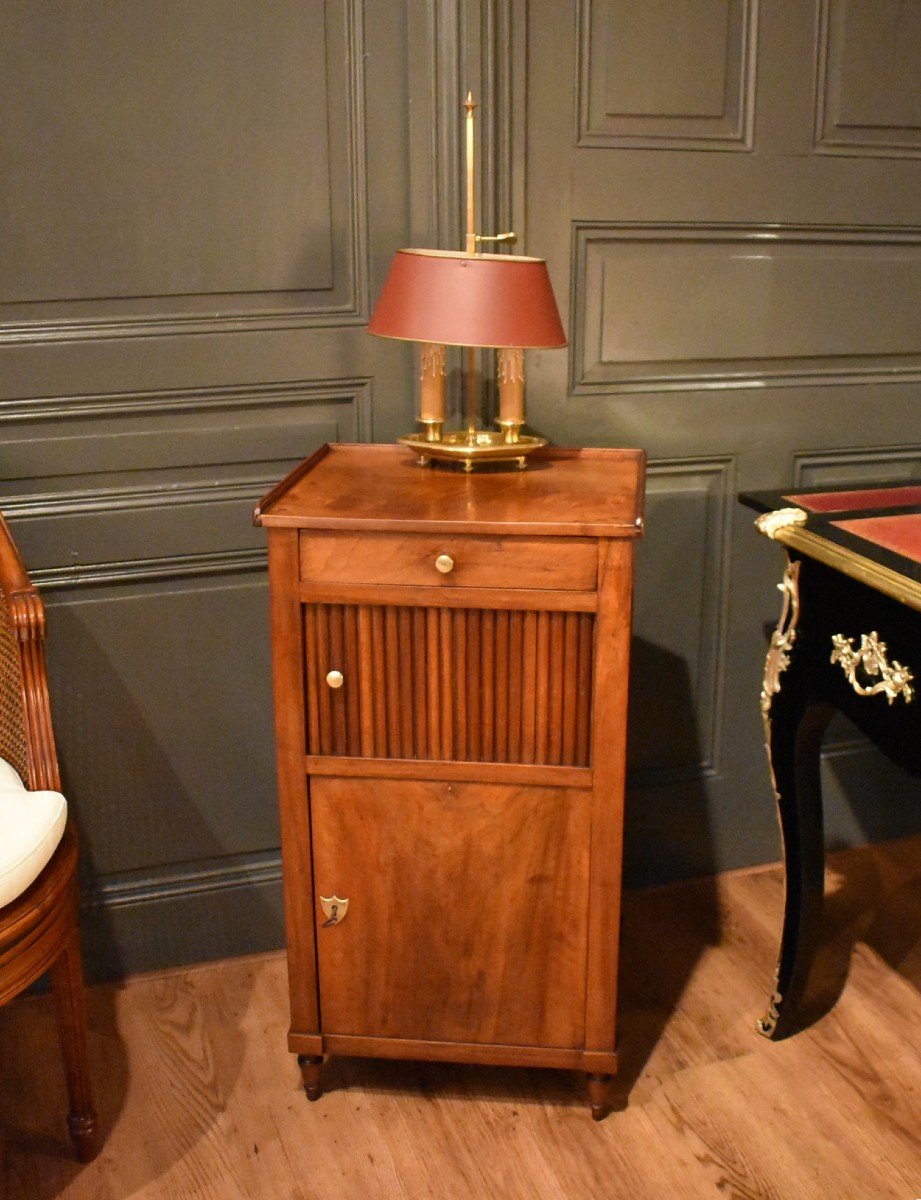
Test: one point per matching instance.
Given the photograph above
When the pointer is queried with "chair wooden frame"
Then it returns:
(39, 930)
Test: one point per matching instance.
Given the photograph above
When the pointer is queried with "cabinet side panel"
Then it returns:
(612, 657)
(288, 657)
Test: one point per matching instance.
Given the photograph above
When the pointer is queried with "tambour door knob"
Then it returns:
(335, 679)
(444, 563)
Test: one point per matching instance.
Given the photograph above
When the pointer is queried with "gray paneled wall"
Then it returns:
(200, 202)
(742, 196)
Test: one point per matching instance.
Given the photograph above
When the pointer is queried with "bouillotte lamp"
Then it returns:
(462, 298)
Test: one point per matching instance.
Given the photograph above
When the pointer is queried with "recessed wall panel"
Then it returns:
(833, 468)
(152, 176)
(116, 483)
(181, 166)
(699, 305)
(133, 680)
(676, 75)
(868, 78)
(678, 622)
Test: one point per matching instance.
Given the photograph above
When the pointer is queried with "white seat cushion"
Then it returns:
(31, 826)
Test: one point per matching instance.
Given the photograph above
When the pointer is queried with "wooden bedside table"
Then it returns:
(450, 660)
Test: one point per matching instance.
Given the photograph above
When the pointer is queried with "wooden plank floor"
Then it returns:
(200, 1099)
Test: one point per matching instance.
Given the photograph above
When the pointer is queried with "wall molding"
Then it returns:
(837, 137)
(446, 178)
(150, 570)
(197, 315)
(708, 701)
(857, 467)
(356, 390)
(732, 131)
(114, 490)
(117, 500)
(171, 882)
(590, 373)
(502, 69)
(477, 46)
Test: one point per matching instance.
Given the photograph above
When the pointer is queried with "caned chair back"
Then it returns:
(12, 699)
(39, 929)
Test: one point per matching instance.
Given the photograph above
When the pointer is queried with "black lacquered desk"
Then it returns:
(849, 638)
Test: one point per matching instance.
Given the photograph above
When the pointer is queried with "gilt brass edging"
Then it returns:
(777, 660)
(782, 639)
(775, 663)
(768, 1023)
(848, 562)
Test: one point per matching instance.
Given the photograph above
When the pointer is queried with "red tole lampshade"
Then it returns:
(458, 299)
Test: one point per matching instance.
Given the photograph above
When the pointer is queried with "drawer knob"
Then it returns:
(444, 563)
(335, 679)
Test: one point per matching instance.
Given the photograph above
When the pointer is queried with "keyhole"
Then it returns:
(333, 916)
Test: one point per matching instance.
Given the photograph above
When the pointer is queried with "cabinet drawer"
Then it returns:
(427, 560)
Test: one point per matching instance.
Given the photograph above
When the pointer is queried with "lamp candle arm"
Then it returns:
(511, 384)
(471, 393)
(432, 382)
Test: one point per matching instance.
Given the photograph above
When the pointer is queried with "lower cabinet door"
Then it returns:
(467, 910)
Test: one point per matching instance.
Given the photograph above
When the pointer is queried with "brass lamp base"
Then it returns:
(483, 446)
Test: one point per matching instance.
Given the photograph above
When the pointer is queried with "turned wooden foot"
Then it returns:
(67, 988)
(599, 1094)
(311, 1073)
(84, 1133)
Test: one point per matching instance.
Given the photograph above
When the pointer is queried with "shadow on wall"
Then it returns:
(667, 837)
(866, 797)
(170, 775)
(668, 831)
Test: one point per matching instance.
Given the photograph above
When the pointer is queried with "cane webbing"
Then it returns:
(12, 725)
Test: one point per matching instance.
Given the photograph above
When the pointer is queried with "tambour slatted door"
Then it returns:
(450, 658)
(478, 685)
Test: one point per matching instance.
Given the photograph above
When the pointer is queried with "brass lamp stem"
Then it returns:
(469, 106)
(470, 394)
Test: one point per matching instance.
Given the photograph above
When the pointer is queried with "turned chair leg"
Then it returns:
(70, 1003)
(312, 1074)
(599, 1095)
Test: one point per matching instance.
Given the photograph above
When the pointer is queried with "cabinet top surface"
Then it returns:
(591, 492)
